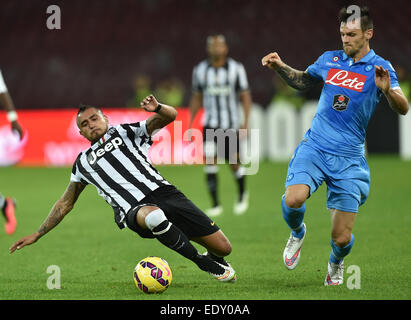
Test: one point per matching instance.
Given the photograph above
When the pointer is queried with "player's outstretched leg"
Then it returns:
(172, 237)
(293, 210)
(218, 247)
(8, 207)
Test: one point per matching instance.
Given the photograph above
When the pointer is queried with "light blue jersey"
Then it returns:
(332, 150)
(347, 101)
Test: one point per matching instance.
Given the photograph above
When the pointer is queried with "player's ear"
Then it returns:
(369, 33)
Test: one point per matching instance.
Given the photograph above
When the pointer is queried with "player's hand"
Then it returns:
(382, 79)
(15, 126)
(149, 104)
(27, 240)
(272, 61)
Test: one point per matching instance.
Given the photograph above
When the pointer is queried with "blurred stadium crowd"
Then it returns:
(107, 47)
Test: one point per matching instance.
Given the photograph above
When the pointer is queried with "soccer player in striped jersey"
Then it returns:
(8, 204)
(332, 150)
(118, 166)
(219, 84)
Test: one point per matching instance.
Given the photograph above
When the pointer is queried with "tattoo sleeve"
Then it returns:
(300, 80)
(166, 115)
(154, 123)
(61, 207)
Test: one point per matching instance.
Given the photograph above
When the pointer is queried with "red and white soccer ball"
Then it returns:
(152, 275)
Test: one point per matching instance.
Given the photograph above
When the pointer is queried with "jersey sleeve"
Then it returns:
(393, 76)
(75, 173)
(3, 87)
(139, 128)
(137, 132)
(242, 81)
(317, 68)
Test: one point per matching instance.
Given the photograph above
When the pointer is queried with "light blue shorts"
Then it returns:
(347, 179)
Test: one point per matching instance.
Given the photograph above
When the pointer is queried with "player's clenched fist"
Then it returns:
(272, 60)
(150, 103)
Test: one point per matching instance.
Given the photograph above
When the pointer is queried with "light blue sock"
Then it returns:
(337, 254)
(294, 218)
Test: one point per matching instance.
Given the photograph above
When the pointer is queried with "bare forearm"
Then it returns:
(194, 106)
(57, 213)
(6, 101)
(246, 102)
(193, 112)
(164, 116)
(296, 79)
(398, 102)
(167, 113)
(55, 216)
(62, 207)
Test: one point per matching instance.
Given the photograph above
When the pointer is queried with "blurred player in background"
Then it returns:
(332, 150)
(117, 165)
(219, 84)
(8, 204)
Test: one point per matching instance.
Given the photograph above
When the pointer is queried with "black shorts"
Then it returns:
(179, 210)
(221, 143)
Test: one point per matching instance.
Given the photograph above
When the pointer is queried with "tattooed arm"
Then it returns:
(300, 80)
(57, 213)
(164, 114)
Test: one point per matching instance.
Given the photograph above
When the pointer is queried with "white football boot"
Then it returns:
(335, 274)
(226, 266)
(241, 206)
(292, 251)
(214, 212)
(229, 274)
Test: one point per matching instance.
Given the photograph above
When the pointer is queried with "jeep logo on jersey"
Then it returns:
(346, 79)
(340, 102)
(108, 146)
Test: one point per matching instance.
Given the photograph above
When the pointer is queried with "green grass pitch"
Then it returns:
(96, 259)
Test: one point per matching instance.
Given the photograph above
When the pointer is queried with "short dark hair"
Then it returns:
(84, 107)
(366, 20)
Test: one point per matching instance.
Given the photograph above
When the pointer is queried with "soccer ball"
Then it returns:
(152, 275)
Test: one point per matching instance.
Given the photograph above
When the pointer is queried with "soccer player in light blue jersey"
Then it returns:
(332, 150)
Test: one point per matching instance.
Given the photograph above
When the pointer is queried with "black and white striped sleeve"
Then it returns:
(136, 129)
(196, 84)
(137, 132)
(75, 173)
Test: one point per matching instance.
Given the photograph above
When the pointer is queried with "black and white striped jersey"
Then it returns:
(118, 166)
(220, 88)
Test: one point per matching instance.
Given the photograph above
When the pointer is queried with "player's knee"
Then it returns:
(142, 215)
(341, 239)
(294, 201)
